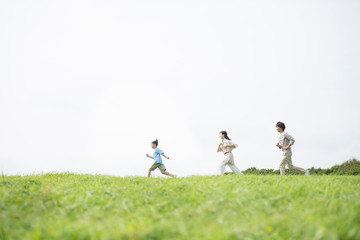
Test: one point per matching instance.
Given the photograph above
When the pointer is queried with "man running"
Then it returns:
(285, 143)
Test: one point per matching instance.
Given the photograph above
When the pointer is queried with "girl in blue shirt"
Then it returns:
(157, 160)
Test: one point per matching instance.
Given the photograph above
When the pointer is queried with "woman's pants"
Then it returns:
(229, 160)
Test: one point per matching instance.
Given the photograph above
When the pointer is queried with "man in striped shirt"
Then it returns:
(285, 143)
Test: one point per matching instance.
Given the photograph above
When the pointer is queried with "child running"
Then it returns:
(226, 146)
(285, 143)
(157, 160)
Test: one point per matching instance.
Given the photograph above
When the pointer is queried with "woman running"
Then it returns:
(226, 146)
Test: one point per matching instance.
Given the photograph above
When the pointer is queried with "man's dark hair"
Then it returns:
(281, 125)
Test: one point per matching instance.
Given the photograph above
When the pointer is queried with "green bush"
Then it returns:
(350, 167)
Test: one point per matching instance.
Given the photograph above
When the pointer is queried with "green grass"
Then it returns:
(70, 206)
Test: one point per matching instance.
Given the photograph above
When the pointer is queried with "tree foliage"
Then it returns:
(350, 167)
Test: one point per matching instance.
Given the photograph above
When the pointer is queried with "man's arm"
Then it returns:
(165, 156)
(291, 139)
(149, 156)
(281, 142)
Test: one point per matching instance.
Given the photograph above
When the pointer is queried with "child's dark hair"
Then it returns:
(156, 142)
(225, 135)
(280, 125)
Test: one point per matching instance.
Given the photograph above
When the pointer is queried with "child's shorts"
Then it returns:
(161, 167)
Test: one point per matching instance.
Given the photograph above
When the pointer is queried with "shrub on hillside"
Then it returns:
(350, 167)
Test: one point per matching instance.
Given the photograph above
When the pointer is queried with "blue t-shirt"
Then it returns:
(157, 155)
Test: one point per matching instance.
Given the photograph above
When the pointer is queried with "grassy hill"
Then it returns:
(70, 206)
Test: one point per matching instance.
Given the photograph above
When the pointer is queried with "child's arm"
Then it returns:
(165, 156)
(149, 156)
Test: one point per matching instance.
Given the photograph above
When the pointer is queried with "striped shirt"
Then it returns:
(284, 140)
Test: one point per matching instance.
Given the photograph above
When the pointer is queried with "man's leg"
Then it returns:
(221, 169)
(283, 163)
(149, 173)
(235, 169)
(297, 169)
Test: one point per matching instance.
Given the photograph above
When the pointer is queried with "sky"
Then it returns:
(85, 86)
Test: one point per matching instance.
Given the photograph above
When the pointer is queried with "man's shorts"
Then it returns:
(161, 167)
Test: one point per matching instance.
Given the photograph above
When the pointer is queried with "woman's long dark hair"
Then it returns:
(225, 135)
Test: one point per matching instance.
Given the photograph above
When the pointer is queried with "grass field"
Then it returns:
(70, 206)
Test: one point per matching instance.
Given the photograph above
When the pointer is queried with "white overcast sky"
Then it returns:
(85, 86)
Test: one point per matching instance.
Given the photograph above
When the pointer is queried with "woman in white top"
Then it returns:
(226, 146)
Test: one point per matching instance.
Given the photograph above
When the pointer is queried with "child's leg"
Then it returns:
(167, 173)
(152, 168)
(162, 169)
